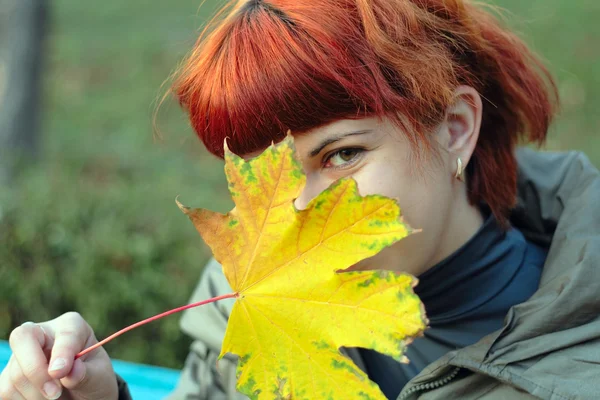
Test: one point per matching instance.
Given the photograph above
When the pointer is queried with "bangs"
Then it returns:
(264, 71)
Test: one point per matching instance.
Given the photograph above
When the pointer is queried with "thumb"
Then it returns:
(91, 378)
(76, 378)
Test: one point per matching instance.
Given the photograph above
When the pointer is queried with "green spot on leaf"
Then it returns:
(319, 203)
(248, 387)
(247, 171)
(321, 345)
(297, 172)
(373, 245)
(345, 365)
(400, 296)
(366, 283)
(364, 396)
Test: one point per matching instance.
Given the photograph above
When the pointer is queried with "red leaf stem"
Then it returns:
(166, 313)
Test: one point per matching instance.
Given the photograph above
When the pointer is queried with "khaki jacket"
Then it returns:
(549, 346)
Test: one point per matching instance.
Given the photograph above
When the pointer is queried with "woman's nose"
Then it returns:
(313, 187)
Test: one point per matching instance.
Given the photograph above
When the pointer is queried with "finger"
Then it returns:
(16, 396)
(70, 337)
(7, 390)
(22, 385)
(49, 338)
(27, 343)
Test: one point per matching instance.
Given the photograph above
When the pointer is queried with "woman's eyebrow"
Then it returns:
(336, 138)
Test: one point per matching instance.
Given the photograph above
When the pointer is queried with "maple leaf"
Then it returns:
(295, 309)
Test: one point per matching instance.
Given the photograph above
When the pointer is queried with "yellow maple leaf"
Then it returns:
(294, 308)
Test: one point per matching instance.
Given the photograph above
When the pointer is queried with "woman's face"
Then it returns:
(377, 154)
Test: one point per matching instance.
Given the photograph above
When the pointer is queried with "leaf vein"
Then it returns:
(299, 347)
(259, 232)
(311, 249)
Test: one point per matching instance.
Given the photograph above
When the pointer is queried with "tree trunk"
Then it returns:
(23, 26)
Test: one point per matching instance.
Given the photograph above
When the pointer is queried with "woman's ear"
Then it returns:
(460, 128)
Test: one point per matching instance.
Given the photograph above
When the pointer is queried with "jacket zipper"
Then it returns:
(431, 385)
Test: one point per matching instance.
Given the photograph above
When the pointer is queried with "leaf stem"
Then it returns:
(147, 320)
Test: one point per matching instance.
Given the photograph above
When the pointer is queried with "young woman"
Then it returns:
(424, 101)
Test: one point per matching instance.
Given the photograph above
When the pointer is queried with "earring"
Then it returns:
(459, 169)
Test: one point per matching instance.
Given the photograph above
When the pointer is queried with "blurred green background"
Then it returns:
(92, 224)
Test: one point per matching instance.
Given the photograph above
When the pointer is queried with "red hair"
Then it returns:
(264, 67)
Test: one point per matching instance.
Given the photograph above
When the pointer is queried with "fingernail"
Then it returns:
(52, 390)
(57, 364)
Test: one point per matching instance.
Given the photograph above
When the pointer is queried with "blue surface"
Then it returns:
(145, 382)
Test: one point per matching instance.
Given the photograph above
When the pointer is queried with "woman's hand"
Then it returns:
(43, 364)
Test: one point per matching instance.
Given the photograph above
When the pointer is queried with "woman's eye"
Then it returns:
(342, 158)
